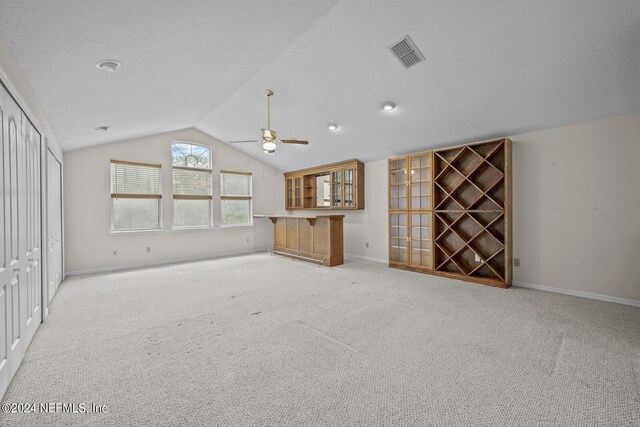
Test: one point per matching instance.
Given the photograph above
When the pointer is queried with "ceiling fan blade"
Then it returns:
(247, 140)
(293, 141)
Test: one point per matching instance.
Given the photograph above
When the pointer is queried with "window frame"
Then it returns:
(176, 197)
(249, 198)
(113, 196)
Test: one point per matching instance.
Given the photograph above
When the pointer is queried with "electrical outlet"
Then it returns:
(115, 252)
(366, 245)
(148, 249)
(516, 262)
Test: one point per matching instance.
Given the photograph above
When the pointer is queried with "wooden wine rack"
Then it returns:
(471, 230)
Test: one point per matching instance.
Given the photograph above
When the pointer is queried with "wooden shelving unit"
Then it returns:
(346, 184)
(470, 234)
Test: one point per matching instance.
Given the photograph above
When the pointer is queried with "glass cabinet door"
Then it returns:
(420, 240)
(398, 184)
(289, 201)
(420, 179)
(399, 238)
(298, 191)
(336, 188)
(348, 188)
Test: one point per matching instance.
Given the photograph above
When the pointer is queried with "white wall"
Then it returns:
(88, 241)
(17, 83)
(576, 208)
(369, 225)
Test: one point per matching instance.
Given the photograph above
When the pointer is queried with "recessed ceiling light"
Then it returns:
(102, 128)
(108, 65)
(332, 126)
(388, 106)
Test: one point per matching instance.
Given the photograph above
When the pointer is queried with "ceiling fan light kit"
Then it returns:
(269, 138)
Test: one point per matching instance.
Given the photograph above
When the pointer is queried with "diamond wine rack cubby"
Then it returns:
(469, 214)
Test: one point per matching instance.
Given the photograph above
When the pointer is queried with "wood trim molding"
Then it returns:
(135, 196)
(237, 173)
(191, 197)
(235, 197)
(329, 166)
(185, 168)
(125, 162)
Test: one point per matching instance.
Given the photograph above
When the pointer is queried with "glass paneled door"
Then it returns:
(398, 184)
(420, 181)
(289, 201)
(420, 240)
(398, 238)
(410, 211)
(348, 188)
(336, 188)
(297, 200)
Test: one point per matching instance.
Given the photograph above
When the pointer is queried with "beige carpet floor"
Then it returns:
(260, 340)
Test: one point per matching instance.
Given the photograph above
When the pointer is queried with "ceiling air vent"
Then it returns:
(407, 52)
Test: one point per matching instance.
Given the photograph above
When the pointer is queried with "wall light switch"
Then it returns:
(516, 262)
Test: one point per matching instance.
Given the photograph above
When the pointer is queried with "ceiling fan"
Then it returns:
(269, 137)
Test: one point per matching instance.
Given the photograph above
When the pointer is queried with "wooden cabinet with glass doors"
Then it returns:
(450, 212)
(294, 192)
(335, 186)
(410, 212)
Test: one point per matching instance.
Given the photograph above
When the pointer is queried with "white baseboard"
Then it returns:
(159, 262)
(365, 258)
(582, 294)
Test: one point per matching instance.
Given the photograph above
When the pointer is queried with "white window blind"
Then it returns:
(136, 192)
(191, 183)
(135, 180)
(236, 198)
(235, 184)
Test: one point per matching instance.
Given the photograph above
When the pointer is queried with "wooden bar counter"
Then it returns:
(317, 238)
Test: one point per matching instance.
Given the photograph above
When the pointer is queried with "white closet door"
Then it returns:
(54, 225)
(31, 144)
(20, 272)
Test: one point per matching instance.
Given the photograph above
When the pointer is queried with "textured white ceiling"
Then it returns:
(492, 68)
(180, 58)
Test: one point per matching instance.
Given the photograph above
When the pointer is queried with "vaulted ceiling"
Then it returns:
(492, 68)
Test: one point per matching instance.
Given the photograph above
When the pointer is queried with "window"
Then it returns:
(136, 192)
(235, 191)
(192, 188)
